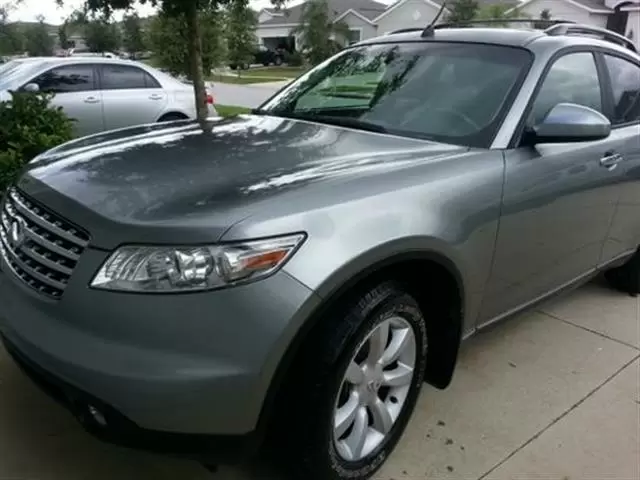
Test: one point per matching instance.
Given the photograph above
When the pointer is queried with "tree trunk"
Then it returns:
(195, 59)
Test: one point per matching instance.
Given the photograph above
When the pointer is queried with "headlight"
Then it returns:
(183, 269)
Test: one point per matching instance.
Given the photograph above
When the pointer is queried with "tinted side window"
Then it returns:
(625, 80)
(121, 77)
(71, 78)
(573, 79)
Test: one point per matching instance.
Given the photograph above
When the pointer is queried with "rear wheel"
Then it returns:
(356, 388)
(627, 277)
(172, 117)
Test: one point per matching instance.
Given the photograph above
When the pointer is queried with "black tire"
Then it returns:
(627, 277)
(306, 428)
(278, 61)
(172, 117)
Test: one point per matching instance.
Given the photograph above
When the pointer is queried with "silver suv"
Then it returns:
(290, 278)
(102, 93)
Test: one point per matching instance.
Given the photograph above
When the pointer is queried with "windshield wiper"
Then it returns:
(339, 121)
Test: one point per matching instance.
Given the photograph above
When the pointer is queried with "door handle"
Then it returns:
(91, 100)
(156, 96)
(611, 160)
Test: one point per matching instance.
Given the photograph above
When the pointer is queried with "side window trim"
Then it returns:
(518, 133)
(601, 56)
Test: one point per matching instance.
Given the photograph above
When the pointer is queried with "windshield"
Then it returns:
(15, 70)
(447, 92)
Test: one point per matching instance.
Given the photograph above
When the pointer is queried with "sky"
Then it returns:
(29, 10)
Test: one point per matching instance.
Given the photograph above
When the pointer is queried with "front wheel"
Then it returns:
(359, 387)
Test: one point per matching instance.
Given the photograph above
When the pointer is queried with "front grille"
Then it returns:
(40, 247)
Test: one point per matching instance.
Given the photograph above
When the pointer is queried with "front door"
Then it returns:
(624, 113)
(75, 90)
(559, 199)
(131, 96)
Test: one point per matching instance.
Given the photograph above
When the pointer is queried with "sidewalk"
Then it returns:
(553, 394)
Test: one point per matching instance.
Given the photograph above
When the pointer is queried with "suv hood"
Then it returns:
(185, 176)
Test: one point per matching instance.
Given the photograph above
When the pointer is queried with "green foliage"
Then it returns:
(101, 36)
(240, 23)
(29, 125)
(63, 37)
(133, 39)
(169, 40)
(462, 11)
(316, 31)
(294, 59)
(38, 42)
(499, 11)
(544, 21)
(11, 38)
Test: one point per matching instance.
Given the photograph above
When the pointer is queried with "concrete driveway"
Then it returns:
(248, 96)
(553, 394)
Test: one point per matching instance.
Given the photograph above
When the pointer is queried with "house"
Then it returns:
(368, 18)
(621, 16)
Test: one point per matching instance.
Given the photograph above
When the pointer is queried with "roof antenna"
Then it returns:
(431, 30)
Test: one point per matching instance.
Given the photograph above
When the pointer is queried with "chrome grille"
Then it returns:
(40, 247)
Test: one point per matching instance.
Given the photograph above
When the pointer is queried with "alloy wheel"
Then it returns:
(374, 389)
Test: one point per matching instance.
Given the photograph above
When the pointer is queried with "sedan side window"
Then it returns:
(124, 77)
(67, 79)
(571, 79)
(625, 80)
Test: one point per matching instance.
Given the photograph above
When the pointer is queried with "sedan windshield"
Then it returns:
(447, 92)
(17, 71)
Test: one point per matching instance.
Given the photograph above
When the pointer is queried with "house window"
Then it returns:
(355, 35)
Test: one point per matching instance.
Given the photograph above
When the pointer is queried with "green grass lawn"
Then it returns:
(231, 110)
(243, 80)
(278, 72)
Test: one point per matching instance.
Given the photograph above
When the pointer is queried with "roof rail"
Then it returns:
(603, 33)
(502, 21)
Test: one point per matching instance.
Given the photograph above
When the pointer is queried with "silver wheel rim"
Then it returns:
(374, 389)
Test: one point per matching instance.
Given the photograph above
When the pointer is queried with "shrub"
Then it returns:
(29, 125)
(294, 59)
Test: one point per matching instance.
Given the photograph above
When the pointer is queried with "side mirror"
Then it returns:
(569, 122)
(31, 88)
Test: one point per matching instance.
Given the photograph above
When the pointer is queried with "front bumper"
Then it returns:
(156, 365)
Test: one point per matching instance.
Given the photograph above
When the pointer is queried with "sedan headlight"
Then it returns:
(183, 269)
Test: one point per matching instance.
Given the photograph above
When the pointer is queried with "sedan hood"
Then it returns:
(186, 176)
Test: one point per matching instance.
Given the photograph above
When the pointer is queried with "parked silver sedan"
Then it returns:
(103, 93)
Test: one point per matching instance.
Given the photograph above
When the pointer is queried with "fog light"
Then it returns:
(97, 416)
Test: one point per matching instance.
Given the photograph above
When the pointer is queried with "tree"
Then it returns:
(545, 20)
(63, 36)
(38, 42)
(133, 38)
(319, 34)
(169, 40)
(240, 27)
(187, 11)
(462, 11)
(498, 11)
(101, 36)
(11, 38)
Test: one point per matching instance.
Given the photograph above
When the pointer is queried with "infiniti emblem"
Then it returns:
(17, 233)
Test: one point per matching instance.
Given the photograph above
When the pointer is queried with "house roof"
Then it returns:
(366, 8)
(371, 10)
(591, 5)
